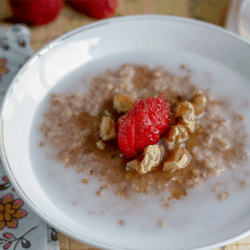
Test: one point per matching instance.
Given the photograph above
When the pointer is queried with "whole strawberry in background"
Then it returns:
(94, 8)
(36, 12)
(143, 125)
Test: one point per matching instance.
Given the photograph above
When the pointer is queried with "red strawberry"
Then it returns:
(95, 8)
(143, 125)
(36, 12)
(126, 139)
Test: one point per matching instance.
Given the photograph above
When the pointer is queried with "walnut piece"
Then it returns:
(107, 113)
(183, 135)
(199, 102)
(173, 133)
(152, 158)
(186, 115)
(170, 144)
(107, 129)
(133, 165)
(180, 158)
(177, 133)
(123, 103)
(101, 145)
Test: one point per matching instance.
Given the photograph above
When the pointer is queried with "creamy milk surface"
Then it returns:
(199, 211)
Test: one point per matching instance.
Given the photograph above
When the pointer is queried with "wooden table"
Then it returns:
(69, 19)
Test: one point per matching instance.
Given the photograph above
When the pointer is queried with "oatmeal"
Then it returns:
(82, 130)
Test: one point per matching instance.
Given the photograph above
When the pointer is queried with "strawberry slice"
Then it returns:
(158, 113)
(143, 125)
(145, 131)
(126, 140)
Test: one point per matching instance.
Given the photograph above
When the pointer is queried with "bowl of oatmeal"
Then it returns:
(132, 133)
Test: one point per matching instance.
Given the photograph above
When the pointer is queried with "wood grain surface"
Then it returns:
(69, 19)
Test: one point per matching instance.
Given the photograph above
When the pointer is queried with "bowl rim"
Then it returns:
(44, 50)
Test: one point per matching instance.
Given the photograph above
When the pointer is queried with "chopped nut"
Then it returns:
(107, 129)
(183, 135)
(85, 181)
(173, 133)
(123, 103)
(185, 111)
(134, 165)
(179, 158)
(101, 145)
(152, 158)
(199, 102)
(107, 113)
(177, 133)
(170, 145)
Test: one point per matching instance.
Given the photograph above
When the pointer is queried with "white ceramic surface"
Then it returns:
(91, 43)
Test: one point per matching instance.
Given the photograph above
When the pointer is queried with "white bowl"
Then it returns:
(164, 37)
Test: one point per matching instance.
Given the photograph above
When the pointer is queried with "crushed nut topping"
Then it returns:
(107, 129)
(133, 165)
(186, 114)
(179, 158)
(107, 113)
(177, 133)
(123, 103)
(199, 103)
(101, 145)
(152, 158)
